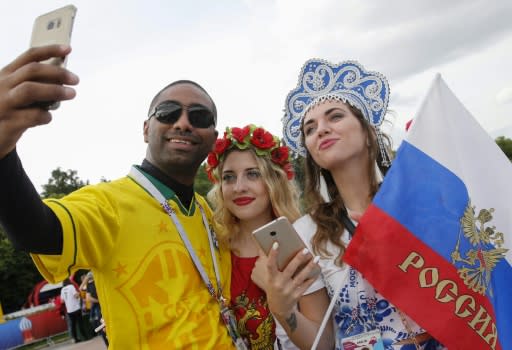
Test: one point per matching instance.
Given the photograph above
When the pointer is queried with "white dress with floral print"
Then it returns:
(359, 307)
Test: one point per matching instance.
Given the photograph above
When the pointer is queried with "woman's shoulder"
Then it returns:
(304, 221)
(305, 226)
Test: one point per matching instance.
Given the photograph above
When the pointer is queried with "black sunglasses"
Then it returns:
(168, 112)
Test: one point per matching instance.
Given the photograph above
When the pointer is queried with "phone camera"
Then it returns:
(273, 233)
(54, 23)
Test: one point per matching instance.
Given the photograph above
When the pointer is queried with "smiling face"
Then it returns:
(178, 149)
(244, 191)
(334, 136)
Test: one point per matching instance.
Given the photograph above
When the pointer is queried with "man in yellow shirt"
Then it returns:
(148, 238)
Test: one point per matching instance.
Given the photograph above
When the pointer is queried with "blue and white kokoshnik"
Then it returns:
(347, 81)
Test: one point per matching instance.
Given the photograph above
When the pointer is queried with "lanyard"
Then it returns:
(148, 186)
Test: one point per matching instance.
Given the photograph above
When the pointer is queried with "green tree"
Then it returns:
(201, 183)
(18, 274)
(62, 183)
(506, 146)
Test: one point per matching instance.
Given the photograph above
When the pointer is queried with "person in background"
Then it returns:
(92, 299)
(86, 307)
(252, 177)
(71, 297)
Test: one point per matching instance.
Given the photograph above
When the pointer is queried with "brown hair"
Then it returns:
(327, 215)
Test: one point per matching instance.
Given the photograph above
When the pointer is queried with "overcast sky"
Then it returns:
(248, 54)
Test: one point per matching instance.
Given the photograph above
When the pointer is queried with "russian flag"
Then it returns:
(436, 239)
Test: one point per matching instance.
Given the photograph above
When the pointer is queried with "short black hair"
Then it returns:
(180, 82)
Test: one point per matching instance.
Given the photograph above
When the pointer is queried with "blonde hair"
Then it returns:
(282, 192)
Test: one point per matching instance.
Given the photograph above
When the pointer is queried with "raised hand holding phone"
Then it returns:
(27, 87)
(54, 28)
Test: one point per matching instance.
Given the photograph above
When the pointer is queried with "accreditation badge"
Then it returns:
(229, 320)
(364, 341)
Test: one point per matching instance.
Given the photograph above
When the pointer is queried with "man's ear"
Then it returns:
(145, 130)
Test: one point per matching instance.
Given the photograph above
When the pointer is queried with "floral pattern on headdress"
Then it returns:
(349, 82)
(260, 140)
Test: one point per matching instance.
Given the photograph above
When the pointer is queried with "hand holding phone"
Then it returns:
(52, 28)
(280, 230)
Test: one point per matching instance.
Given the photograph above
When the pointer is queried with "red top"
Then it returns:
(255, 323)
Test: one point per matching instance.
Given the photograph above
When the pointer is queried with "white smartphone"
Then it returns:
(280, 230)
(51, 28)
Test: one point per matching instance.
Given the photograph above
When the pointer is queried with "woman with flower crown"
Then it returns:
(332, 118)
(252, 175)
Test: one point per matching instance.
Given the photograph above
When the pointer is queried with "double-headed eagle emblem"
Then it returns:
(475, 268)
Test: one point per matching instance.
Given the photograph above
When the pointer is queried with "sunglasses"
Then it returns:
(168, 112)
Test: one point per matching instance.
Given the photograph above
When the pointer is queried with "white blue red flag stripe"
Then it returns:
(436, 241)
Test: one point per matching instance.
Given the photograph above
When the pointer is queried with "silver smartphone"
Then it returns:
(280, 230)
(52, 28)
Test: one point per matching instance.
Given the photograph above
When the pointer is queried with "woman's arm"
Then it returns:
(285, 291)
(302, 326)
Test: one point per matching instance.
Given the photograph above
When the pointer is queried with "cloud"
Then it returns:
(504, 96)
(248, 54)
(398, 99)
(396, 37)
(506, 132)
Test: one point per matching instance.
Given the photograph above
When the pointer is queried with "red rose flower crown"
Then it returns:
(263, 142)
